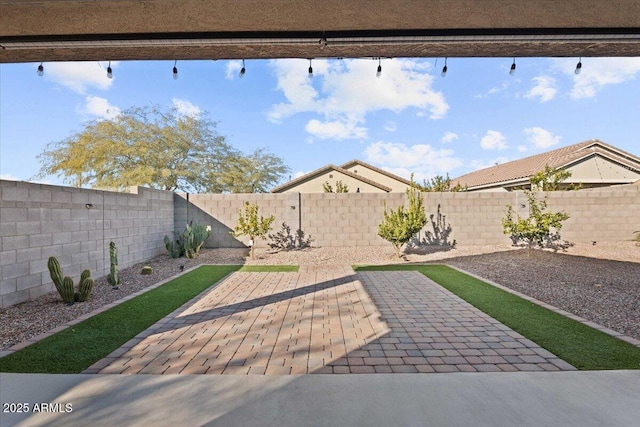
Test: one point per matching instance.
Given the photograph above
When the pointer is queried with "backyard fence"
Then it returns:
(76, 225)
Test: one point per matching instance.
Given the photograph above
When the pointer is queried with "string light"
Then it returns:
(242, 70)
(310, 70)
(444, 69)
(109, 71)
(379, 72)
(175, 70)
(578, 66)
(40, 69)
(512, 71)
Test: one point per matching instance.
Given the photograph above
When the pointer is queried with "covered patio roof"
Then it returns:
(79, 30)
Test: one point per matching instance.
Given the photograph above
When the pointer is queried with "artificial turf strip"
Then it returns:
(78, 347)
(270, 268)
(578, 344)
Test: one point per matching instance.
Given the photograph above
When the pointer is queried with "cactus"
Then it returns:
(55, 272)
(65, 285)
(113, 278)
(85, 288)
(174, 250)
(66, 290)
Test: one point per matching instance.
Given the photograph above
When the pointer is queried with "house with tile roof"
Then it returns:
(358, 176)
(592, 164)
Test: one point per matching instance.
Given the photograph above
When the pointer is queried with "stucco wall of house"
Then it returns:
(395, 185)
(314, 185)
(600, 170)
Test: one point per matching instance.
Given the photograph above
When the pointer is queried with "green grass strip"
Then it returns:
(78, 347)
(270, 268)
(578, 344)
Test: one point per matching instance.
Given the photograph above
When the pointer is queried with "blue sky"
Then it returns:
(410, 119)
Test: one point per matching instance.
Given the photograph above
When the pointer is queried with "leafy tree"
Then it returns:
(249, 224)
(255, 173)
(540, 227)
(340, 187)
(550, 179)
(159, 148)
(440, 184)
(401, 225)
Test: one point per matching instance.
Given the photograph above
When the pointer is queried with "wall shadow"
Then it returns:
(438, 239)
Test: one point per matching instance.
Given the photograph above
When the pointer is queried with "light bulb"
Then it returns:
(444, 71)
(379, 72)
(578, 67)
(109, 71)
(40, 69)
(175, 73)
(242, 70)
(512, 71)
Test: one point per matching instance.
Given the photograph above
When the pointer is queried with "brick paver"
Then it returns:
(327, 320)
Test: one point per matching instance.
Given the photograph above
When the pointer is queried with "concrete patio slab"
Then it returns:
(327, 320)
(568, 399)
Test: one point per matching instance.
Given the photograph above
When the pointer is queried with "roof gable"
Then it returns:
(521, 170)
(354, 162)
(330, 167)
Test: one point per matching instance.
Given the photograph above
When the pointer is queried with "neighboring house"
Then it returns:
(591, 163)
(358, 176)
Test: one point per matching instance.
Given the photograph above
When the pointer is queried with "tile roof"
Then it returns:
(324, 169)
(521, 170)
(382, 171)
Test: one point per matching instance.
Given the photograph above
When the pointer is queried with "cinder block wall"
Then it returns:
(220, 211)
(599, 214)
(38, 221)
(605, 214)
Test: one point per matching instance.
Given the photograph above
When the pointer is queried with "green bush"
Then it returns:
(249, 224)
(401, 225)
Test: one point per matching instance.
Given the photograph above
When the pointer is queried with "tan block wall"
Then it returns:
(607, 214)
(38, 221)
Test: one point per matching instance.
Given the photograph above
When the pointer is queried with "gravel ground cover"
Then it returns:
(600, 283)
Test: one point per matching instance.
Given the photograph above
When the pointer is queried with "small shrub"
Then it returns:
(539, 228)
(285, 241)
(146, 270)
(249, 224)
(401, 225)
(340, 187)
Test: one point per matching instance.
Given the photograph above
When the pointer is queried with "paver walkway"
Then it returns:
(327, 320)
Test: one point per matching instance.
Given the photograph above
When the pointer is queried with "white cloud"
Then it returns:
(80, 76)
(597, 73)
(100, 108)
(493, 140)
(186, 108)
(541, 138)
(449, 137)
(233, 68)
(522, 148)
(391, 126)
(545, 88)
(336, 129)
(421, 159)
(493, 90)
(346, 91)
(299, 174)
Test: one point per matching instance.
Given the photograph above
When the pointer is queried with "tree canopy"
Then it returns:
(159, 148)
